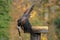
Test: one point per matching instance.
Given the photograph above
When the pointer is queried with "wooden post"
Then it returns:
(35, 36)
(37, 32)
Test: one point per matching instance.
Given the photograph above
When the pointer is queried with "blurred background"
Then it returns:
(45, 13)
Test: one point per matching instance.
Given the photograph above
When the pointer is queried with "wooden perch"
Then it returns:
(40, 29)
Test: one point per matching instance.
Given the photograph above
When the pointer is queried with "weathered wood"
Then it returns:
(35, 36)
(40, 29)
(37, 32)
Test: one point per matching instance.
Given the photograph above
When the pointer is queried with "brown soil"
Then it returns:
(13, 25)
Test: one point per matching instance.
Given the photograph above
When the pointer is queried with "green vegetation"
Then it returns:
(57, 23)
(4, 19)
